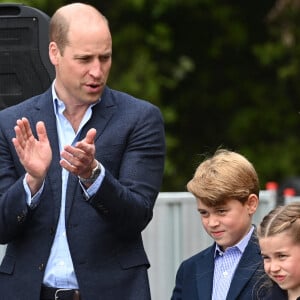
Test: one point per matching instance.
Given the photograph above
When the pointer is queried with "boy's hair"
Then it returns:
(226, 175)
(282, 219)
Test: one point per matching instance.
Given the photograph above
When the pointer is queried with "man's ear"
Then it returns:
(252, 203)
(53, 52)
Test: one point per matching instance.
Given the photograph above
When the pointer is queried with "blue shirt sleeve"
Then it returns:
(34, 201)
(91, 191)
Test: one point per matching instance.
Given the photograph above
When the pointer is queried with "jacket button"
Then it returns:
(41, 267)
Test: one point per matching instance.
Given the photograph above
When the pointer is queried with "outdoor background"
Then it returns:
(224, 74)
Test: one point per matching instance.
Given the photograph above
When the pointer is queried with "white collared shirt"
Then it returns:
(60, 270)
(225, 266)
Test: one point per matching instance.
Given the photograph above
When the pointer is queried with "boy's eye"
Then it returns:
(203, 213)
(221, 211)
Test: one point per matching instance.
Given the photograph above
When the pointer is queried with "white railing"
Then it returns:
(176, 233)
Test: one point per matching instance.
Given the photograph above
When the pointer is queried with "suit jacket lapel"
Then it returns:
(248, 264)
(204, 279)
(45, 112)
(102, 113)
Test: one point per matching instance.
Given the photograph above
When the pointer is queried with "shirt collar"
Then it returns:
(59, 105)
(241, 245)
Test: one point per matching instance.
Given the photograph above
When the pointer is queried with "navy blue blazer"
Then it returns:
(104, 234)
(194, 278)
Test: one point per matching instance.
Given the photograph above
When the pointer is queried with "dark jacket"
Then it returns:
(194, 278)
(104, 234)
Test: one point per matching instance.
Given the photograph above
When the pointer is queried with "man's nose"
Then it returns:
(96, 69)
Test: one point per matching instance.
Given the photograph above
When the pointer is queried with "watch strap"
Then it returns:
(95, 173)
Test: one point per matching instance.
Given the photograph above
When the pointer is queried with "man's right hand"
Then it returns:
(34, 154)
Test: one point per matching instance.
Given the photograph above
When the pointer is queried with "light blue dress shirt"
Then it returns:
(60, 270)
(225, 265)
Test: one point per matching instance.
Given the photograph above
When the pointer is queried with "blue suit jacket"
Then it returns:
(104, 234)
(194, 278)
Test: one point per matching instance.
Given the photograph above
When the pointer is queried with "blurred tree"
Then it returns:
(144, 64)
(198, 60)
(224, 73)
(48, 6)
(279, 56)
(205, 64)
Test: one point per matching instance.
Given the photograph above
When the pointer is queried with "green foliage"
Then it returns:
(225, 74)
(48, 6)
(33, 3)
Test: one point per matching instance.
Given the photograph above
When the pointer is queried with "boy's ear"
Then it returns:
(252, 203)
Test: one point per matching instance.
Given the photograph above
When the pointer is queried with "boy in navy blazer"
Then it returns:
(226, 187)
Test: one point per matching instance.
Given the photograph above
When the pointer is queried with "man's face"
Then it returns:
(83, 67)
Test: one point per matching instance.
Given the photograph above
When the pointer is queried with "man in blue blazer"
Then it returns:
(80, 169)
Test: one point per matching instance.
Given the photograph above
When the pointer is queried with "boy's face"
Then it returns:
(228, 223)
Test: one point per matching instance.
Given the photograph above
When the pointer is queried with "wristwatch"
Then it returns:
(95, 173)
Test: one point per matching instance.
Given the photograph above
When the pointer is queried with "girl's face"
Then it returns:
(282, 261)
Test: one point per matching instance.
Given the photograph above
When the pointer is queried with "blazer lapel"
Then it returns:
(102, 113)
(204, 274)
(248, 265)
(45, 112)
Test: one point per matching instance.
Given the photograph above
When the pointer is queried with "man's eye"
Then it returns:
(104, 58)
(84, 59)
